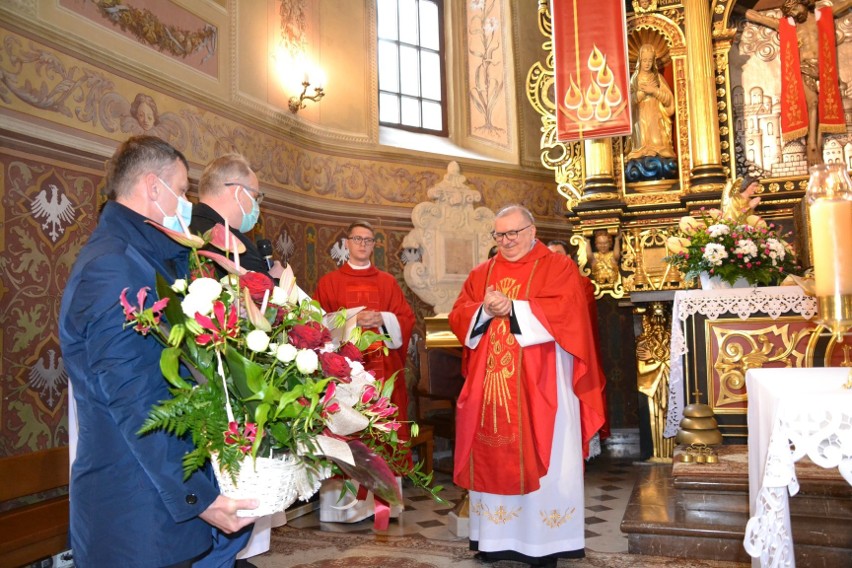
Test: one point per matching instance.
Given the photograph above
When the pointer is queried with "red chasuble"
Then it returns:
(506, 410)
(377, 291)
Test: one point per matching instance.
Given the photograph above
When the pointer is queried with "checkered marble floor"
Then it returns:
(609, 482)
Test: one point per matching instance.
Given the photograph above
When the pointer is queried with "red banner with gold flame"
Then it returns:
(592, 71)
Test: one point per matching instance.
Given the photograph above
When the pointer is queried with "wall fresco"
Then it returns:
(161, 25)
(35, 80)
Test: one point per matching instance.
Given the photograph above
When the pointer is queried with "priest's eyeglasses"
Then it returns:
(367, 241)
(508, 235)
(253, 192)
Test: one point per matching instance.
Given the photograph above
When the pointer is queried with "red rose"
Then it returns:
(309, 336)
(204, 271)
(351, 352)
(257, 284)
(334, 365)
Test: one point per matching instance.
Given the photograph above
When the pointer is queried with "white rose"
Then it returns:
(179, 285)
(307, 361)
(257, 340)
(286, 353)
(205, 288)
(194, 303)
(279, 296)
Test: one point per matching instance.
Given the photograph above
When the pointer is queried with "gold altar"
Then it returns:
(718, 336)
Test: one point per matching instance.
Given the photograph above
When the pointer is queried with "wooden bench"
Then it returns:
(38, 530)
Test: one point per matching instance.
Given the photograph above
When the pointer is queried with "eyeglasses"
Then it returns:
(255, 193)
(508, 235)
(366, 241)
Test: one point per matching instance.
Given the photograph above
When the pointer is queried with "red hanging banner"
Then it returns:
(592, 72)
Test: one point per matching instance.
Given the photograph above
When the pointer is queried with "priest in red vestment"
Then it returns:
(532, 399)
(359, 283)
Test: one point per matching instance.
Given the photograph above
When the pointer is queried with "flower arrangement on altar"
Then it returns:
(270, 375)
(732, 243)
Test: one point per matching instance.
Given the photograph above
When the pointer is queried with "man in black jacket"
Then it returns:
(228, 192)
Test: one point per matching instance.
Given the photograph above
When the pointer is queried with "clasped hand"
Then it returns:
(369, 319)
(495, 303)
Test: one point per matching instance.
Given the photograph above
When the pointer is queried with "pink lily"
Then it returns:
(216, 237)
(368, 394)
(223, 330)
(244, 440)
(135, 313)
(223, 262)
(393, 425)
(329, 407)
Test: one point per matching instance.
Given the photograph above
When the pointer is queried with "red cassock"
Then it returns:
(506, 410)
(379, 291)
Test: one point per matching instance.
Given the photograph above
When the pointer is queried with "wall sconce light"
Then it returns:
(298, 103)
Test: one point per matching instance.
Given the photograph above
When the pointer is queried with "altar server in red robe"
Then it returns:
(532, 399)
(359, 283)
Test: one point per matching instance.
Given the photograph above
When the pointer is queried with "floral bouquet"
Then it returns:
(267, 379)
(732, 243)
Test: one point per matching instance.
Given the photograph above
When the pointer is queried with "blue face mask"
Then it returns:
(184, 211)
(249, 219)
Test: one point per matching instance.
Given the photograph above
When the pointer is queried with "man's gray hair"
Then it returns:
(227, 168)
(509, 209)
(136, 157)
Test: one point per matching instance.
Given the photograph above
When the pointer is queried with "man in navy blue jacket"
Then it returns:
(129, 503)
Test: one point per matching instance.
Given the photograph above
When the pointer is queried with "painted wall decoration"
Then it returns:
(158, 24)
(486, 71)
(293, 26)
(756, 94)
(47, 213)
(35, 80)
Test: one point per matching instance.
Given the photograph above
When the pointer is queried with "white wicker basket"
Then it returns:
(272, 481)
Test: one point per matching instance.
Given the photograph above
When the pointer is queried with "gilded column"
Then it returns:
(707, 172)
(652, 375)
(599, 171)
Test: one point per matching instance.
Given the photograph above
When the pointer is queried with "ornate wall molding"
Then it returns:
(452, 237)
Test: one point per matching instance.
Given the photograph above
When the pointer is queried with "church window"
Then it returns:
(412, 90)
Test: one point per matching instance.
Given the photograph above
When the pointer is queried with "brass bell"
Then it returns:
(712, 458)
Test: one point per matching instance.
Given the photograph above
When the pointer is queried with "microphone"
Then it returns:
(264, 246)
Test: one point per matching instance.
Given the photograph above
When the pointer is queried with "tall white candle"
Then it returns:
(831, 239)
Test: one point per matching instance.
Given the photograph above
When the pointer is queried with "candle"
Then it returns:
(831, 239)
(227, 235)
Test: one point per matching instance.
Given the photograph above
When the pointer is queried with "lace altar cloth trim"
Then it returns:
(817, 427)
(773, 301)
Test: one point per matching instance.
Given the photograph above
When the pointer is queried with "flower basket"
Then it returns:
(267, 379)
(272, 481)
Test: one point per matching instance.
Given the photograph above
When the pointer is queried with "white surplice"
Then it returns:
(551, 519)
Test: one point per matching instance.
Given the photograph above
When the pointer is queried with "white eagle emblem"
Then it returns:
(48, 378)
(339, 252)
(285, 245)
(56, 211)
(410, 255)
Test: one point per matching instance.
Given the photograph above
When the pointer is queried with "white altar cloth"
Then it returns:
(792, 413)
(742, 302)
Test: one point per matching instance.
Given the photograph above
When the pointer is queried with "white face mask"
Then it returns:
(183, 212)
